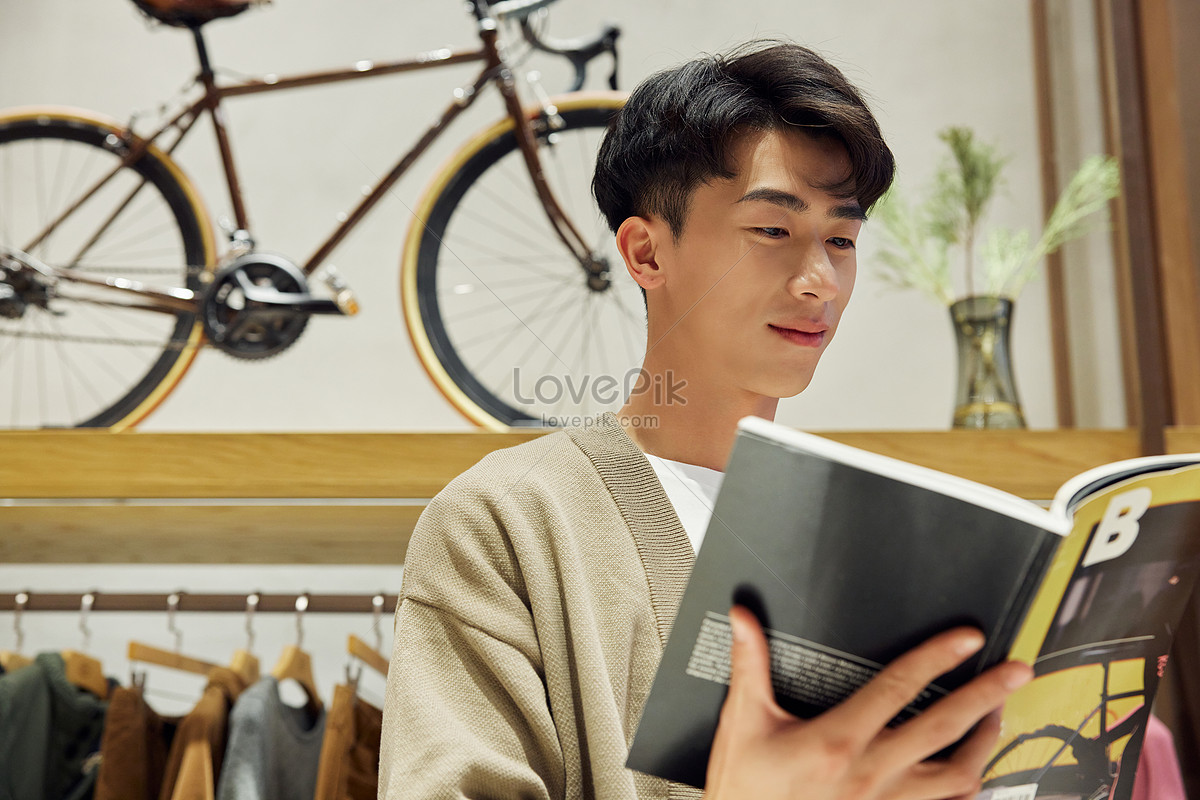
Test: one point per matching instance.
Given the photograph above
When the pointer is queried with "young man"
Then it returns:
(540, 585)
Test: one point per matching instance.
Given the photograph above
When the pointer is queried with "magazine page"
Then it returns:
(846, 569)
(1098, 636)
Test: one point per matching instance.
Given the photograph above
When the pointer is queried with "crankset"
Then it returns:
(258, 305)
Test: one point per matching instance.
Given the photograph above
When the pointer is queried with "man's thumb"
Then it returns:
(750, 656)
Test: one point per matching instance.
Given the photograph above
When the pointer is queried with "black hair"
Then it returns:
(677, 128)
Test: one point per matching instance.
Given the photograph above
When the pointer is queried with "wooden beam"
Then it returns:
(1138, 284)
(1048, 151)
(1167, 91)
(96, 463)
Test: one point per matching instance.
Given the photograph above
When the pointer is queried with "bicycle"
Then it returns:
(1064, 762)
(111, 281)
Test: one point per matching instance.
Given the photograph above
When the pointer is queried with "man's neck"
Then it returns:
(696, 427)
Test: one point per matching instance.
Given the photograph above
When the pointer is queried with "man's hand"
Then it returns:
(762, 752)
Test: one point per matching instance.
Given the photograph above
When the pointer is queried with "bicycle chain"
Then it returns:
(122, 271)
(98, 340)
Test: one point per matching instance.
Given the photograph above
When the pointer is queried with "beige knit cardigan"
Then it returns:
(539, 588)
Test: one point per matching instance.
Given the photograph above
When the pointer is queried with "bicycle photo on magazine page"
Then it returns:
(114, 274)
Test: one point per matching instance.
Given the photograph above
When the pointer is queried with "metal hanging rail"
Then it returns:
(29, 600)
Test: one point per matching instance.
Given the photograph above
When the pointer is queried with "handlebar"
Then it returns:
(578, 51)
(516, 9)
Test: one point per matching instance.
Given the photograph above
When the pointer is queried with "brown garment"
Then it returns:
(148, 756)
(349, 767)
(134, 748)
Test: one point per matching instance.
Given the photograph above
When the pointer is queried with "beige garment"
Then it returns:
(539, 588)
(194, 761)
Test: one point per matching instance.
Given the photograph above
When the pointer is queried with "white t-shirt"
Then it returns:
(692, 490)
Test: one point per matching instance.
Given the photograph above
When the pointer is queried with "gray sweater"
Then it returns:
(273, 749)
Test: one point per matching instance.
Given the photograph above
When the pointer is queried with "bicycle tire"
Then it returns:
(528, 363)
(1025, 760)
(78, 360)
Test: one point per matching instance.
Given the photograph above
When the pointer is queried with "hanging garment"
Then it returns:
(149, 756)
(50, 733)
(273, 749)
(349, 768)
(134, 748)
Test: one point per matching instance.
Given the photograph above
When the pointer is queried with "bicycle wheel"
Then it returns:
(73, 354)
(501, 314)
(1061, 762)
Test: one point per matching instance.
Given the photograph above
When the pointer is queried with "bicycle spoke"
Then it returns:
(65, 364)
(484, 220)
(99, 254)
(517, 323)
(538, 341)
(81, 376)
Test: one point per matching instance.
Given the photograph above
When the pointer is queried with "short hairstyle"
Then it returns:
(677, 128)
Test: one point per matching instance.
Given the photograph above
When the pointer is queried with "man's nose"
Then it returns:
(814, 275)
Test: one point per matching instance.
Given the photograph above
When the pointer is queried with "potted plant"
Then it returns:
(920, 239)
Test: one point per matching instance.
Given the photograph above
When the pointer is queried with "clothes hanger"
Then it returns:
(371, 656)
(296, 664)
(81, 669)
(367, 655)
(244, 662)
(149, 654)
(13, 660)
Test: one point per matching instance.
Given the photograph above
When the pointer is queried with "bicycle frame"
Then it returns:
(494, 70)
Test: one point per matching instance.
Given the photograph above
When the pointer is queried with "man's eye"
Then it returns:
(772, 233)
(841, 242)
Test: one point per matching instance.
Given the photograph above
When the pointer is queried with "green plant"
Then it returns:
(919, 237)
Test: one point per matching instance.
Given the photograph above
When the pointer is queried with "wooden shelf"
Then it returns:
(96, 497)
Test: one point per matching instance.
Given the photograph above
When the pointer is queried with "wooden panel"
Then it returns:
(137, 525)
(1031, 464)
(1184, 439)
(209, 534)
(1056, 290)
(89, 463)
(1164, 92)
(1144, 367)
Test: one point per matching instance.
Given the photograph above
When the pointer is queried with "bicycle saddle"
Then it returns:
(191, 13)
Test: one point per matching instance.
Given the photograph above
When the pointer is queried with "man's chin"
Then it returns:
(786, 387)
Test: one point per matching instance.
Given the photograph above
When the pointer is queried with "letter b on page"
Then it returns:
(1119, 527)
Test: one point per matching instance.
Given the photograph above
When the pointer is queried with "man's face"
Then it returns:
(754, 287)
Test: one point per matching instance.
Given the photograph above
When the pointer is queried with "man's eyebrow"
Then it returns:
(791, 202)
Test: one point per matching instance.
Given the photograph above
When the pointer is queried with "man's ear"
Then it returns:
(640, 241)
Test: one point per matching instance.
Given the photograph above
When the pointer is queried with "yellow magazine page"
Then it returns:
(1098, 634)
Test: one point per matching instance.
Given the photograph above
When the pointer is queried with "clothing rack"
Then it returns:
(187, 601)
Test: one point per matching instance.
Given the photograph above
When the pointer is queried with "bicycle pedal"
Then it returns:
(343, 295)
(347, 302)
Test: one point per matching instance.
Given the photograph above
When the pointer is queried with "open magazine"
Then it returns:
(850, 559)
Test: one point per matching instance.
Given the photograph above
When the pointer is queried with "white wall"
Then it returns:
(925, 64)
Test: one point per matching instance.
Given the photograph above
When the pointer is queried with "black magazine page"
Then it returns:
(846, 569)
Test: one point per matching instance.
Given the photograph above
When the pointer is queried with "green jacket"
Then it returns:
(49, 734)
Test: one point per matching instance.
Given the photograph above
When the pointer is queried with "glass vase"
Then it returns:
(987, 393)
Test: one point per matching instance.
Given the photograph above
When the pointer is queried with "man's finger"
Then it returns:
(958, 777)
(750, 668)
(949, 719)
(899, 683)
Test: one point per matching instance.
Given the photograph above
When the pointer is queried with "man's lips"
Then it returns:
(807, 335)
